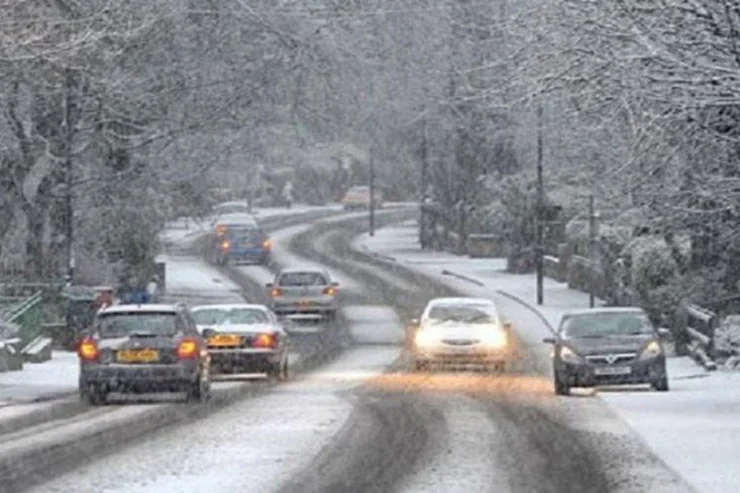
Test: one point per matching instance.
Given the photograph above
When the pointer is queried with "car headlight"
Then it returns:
(494, 338)
(651, 351)
(569, 356)
(423, 338)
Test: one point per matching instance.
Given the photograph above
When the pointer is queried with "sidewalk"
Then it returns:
(693, 428)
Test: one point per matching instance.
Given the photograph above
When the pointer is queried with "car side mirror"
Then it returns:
(209, 332)
(549, 340)
(507, 326)
(414, 324)
(664, 333)
(269, 285)
(335, 283)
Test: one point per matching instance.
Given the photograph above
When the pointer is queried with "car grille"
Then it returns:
(612, 358)
(459, 342)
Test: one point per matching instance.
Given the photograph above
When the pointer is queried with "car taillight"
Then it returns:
(188, 349)
(88, 349)
(275, 292)
(225, 245)
(330, 291)
(267, 244)
(264, 340)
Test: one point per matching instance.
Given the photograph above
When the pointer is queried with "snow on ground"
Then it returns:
(40, 380)
(693, 428)
(373, 324)
(190, 277)
(252, 445)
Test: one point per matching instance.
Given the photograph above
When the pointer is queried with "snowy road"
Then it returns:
(349, 427)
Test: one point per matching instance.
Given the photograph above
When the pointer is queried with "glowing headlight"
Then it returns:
(424, 339)
(651, 351)
(494, 338)
(568, 355)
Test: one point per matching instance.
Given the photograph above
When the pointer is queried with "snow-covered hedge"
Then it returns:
(727, 339)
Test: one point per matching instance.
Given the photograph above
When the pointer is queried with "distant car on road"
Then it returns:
(304, 290)
(247, 339)
(358, 197)
(460, 332)
(143, 348)
(241, 244)
(607, 346)
(228, 208)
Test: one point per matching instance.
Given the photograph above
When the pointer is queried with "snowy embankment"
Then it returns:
(694, 428)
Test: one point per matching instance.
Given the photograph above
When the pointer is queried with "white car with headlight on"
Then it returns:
(460, 333)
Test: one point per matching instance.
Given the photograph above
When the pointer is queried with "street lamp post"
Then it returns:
(539, 214)
(372, 191)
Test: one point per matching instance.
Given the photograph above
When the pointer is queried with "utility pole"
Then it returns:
(591, 250)
(372, 190)
(67, 133)
(423, 187)
(540, 210)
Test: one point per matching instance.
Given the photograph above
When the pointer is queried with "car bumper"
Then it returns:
(145, 378)
(309, 306)
(451, 357)
(587, 375)
(231, 361)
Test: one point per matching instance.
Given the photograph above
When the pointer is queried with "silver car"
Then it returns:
(304, 290)
(247, 339)
(461, 332)
(143, 348)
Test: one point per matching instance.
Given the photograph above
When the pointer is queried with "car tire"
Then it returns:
(94, 395)
(199, 391)
(421, 366)
(561, 386)
(660, 384)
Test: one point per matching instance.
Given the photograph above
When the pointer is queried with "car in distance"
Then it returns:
(460, 332)
(607, 346)
(248, 339)
(241, 244)
(143, 348)
(358, 197)
(303, 290)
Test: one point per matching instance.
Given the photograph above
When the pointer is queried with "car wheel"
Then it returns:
(94, 395)
(660, 384)
(200, 390)
(561, 386)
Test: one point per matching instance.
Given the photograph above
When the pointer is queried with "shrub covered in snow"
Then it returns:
(727, 335)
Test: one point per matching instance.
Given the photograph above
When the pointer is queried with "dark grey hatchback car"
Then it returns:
(143, 348)
(607, 346)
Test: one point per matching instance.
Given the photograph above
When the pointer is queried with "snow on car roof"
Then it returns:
(143, 308)
(231, 306)
(604, 309)
(460, 301)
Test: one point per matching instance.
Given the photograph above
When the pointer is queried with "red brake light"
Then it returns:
(331, 291)
(88, 349)
(188, 348)
(275, 292)
(221, 229)
(264, 340)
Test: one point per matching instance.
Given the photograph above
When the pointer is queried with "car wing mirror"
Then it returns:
(664, 333)
(334, 283)
(507, 325)
(269, 285)
(209, 332)
(549, 340)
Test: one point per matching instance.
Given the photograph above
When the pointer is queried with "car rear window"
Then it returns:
(473, 314)
(232, 209)
(122, 324)
(254, 235)
(303, 279)
(606, 324)
(208, 316)
(245, 316)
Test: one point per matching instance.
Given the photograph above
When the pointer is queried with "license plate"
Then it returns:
(304, 303)
(224, 340)
(137, 356)
(613, 370)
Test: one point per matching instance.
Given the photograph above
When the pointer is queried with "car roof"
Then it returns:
(303, 268)
(237, 217)
(231, 306)
(143, 308)
(461, 300)
(604, 309)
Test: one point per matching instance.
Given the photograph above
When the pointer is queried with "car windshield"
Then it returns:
(245, 235)
(605, 325)
(474, 314)
(122, 324)
(303, 279)
(246, 316)
(208, 316)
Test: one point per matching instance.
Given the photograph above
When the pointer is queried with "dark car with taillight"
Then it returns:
(608, 346)
(241, 244)
(304, 290)
(247, 339)
(143, 349)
